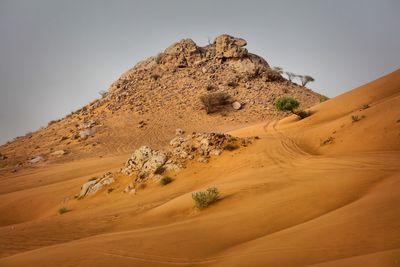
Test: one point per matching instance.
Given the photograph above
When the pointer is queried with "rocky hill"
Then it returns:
(162, 93)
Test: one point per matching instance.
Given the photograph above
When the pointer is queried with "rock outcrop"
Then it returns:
(94, 185)
(148, 163)
(145, 161)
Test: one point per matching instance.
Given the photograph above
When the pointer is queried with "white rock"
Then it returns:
(36, 159)
(236, 105)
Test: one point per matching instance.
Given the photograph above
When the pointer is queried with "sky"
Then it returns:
(55, 56)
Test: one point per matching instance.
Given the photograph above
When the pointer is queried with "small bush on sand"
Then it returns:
(327, 141)
(212, 102)
(165, 180)
(303, 114)
(365, 106)
(231, 147)
(63, 210)
(203, 199)
(356, 118)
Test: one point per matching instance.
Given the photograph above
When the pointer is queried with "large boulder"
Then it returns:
(184, 53)
(87, 132)
(227, 46)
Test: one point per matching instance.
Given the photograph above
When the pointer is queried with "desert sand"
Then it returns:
(322, 191)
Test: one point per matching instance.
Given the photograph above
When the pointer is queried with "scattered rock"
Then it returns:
(179, 132)
(58, 153)
(3, 157)
(36, 159)
(93, 186)
(84, 134)
(130, 188)
(236, 105)
(141, 124)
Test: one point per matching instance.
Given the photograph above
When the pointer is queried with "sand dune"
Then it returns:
(290, 199)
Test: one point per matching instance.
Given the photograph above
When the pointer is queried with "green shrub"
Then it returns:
(165, 180)
(231, 147)
(212, 102)
(204, 198)
(287, 104)
(63, 210)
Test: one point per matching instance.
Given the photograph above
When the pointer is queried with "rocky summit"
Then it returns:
(173, 89)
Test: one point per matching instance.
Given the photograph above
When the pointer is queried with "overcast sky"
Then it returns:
(55, 56)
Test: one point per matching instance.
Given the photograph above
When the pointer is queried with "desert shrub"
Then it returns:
(204, 198)
(165, 180)
(158, 58)
(231, 147)
(210, 87)
(287, 104)
(327, 141)
(355, 118)
(232, 83)
(63, 210)
(365, 106)
(52, 122)
(212, 102)
(155, 76)
(323, 98)
(303, 114)
(278, 70)
(273, 75)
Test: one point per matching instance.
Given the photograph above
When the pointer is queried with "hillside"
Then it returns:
(322, 191)
(162, 93)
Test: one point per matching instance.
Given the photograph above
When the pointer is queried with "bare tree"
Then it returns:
(278, 70)
(290, 75)
(305, 79)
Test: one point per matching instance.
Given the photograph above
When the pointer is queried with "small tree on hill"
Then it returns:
(305, 79)
(287, 104)
(290, 76)
(290, 104)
